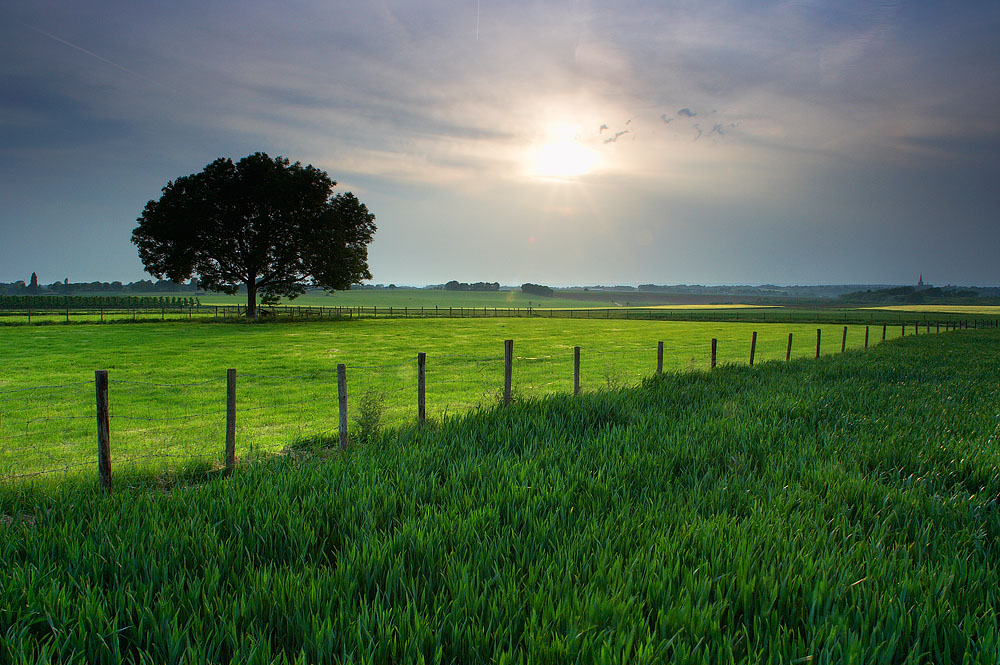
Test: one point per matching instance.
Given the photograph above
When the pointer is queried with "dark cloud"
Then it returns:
(686, 113)
(615, 137)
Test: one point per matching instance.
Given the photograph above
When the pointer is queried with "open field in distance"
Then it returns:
(984, 310)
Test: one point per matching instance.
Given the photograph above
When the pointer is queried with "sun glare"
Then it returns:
(561, 156)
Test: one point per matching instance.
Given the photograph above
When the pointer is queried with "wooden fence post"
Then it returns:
(576, 370)
(819, 332)
(866, 337)
(342, 403)
(659, 358)
(843, 341)
(103, 430)
(715, 346)
(230, 420)
(508, 368)
(753, 347)
(788, 351)
(421, 403)
(883, 332)
(902, 330)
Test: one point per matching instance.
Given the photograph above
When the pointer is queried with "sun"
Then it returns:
(561, 155)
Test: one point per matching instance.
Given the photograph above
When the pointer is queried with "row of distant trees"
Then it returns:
(537, 289)
(91, 301)
(455, 285)
(911, 295)
(66, 287)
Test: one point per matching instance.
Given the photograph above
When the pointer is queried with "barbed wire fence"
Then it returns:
(161, 428)
(44, 429)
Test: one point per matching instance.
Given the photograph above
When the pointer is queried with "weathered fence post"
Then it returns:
(715, 346)
(508, 368)
(659, 358)
(421, 403)
(788, 351)
(843, 341)
(342, 403)
(753, 347)
(230, 420)
(883, 332)
(819, 332)
(576, 370)
(866, 337)
(902, 330)
(103, 430)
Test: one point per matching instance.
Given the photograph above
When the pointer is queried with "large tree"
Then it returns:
(273, 226)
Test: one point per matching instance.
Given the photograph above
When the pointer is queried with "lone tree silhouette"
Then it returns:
(273, 226)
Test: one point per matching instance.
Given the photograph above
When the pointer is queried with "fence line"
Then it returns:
(51, 429)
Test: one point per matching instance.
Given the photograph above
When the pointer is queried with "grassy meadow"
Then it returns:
(415, 298)
(972, 310)
(840, 510)
(168, 384)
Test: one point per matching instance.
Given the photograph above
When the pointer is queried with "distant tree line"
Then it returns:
(537, 289)
(454, 285)
(67, 287)
(90, 302)
(910, 295)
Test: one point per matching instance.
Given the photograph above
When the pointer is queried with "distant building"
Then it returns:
(920, 282)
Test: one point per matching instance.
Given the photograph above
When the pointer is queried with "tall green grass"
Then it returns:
(843, 510)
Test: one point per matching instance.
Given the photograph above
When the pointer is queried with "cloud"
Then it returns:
(401, 96)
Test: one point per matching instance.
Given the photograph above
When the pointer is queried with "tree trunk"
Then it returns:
(252, 299)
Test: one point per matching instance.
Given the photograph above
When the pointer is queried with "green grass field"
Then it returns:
(168, 380)
(841, 510)
(414, 298)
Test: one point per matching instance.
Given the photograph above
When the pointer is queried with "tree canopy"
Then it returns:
(272, 225)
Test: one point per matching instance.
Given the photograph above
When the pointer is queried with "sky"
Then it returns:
(557, 142)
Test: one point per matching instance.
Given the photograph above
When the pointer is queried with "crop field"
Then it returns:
(413, 298)
(840, 510)
(974, 310)
(168, 381)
